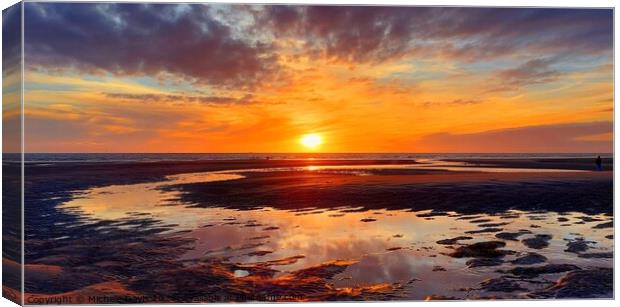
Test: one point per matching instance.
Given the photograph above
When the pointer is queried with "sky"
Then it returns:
(238, 78)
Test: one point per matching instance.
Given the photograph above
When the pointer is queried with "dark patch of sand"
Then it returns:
(580, 284)
(501, 284)
(259, 253)
(217, 279)
(432, 214)
(577, 245)
(484, 230)
(438, 268)
(540, 270)
(493, 224)
(604, 225)
(530, 258)
(479, 262)
(480, 221)
(367, 220)
(597, 255)
(469, 217)
(453, 241)
(511, 236)
(487, 249)
(540, 241)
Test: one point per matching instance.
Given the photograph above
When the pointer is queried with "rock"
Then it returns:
(531, 258)
(610, 237)
(537, 242)
(604, 225)
(484, 230)
(453, 240)
(488, 249)
(594, 283)
(597, 255)
(478, 262)
(393, 249)
(534, 226)
(539, 270)
(562, 219)
(501, 284)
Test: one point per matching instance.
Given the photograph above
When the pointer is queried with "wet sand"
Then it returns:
(247, 230)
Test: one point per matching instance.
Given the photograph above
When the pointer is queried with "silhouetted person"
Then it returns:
(599, 163)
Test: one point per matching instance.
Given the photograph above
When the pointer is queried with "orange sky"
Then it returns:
(361, 88)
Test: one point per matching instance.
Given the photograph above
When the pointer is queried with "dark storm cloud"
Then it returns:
(378, 33)
(181, 98)
(135, 39)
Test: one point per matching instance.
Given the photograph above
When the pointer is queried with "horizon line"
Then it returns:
(319, 153)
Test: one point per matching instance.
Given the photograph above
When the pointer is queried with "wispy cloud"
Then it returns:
(454, 102)
(181, 98)
(577, 137)
(375, 34)
(537, 71)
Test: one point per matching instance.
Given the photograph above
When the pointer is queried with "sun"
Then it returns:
(311, 140)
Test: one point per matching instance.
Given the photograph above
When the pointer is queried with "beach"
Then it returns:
(273, 152)
(318, 229)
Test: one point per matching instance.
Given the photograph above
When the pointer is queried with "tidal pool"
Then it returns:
(386, 246)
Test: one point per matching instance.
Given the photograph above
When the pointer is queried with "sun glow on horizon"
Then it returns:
(302, 87)
(311, 140)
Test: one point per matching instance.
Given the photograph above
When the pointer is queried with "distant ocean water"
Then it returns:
(153, 157)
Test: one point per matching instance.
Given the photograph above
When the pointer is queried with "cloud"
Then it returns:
(579, 137)
(375, 34)
(201, 44)
(11, 39)
(181, 98)
(536, 71)
(455, 102)
(176, 40)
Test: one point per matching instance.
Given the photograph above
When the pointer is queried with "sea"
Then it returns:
(156, 157)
